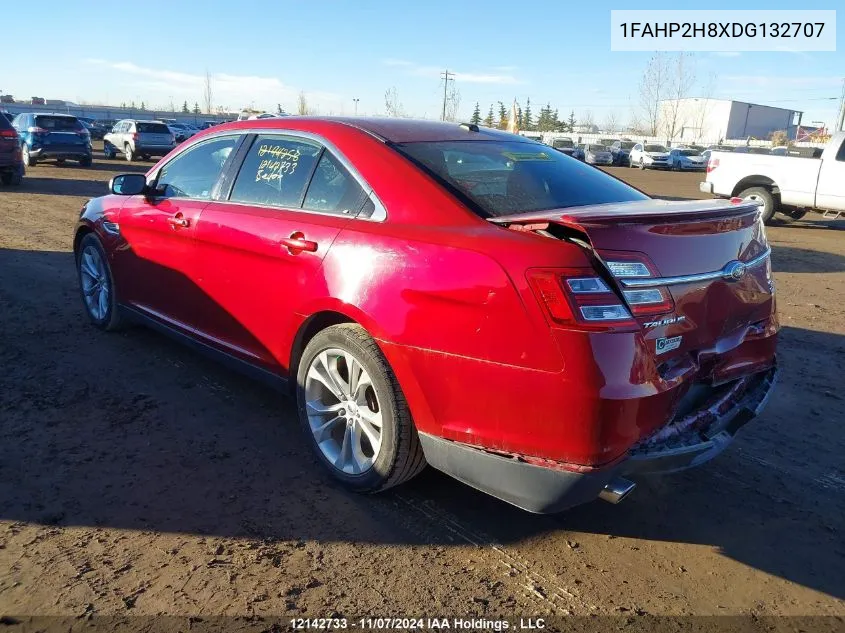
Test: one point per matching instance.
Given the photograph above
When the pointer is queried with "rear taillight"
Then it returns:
(636, 266)
(8, 134)
(712, 164)
(37, 130)
(136, 136)
(577, 297)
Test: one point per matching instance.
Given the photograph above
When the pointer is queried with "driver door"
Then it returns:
(158, 265)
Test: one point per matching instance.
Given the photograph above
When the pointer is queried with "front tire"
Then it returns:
(108, 151)
(766, 197)
(642, 164)
(28, 159)
(353, 411)
(96, 284)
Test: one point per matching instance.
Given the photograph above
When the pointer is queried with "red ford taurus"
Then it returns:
(448, 295)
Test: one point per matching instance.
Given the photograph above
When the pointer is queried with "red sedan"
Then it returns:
(448, 295)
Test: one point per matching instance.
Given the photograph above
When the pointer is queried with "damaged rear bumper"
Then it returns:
(551, 487)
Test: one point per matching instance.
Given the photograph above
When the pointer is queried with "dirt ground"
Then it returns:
(136, 477)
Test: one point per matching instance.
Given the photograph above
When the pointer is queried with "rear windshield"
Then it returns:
(597, 148)
(562, 142)
(505, 177)
(152, 128)
(58, 123)
(628, 144)
(688, 152)
(655, 148)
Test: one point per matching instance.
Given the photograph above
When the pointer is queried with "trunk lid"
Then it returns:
(711, 256)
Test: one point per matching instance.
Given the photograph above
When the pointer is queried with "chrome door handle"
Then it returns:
(179, 220)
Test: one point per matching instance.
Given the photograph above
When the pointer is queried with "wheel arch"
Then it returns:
(308, 329)
(756, 181)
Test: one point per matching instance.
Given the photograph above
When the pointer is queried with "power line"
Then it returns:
(446, 76)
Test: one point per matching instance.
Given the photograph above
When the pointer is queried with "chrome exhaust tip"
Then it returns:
(617, 490)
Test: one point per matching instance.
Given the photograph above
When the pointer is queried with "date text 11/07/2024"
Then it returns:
(417, 624)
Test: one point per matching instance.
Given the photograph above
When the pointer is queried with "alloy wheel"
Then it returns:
(343, 411)
(96, 287)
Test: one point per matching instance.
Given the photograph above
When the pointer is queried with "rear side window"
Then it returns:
(275, 172)
(333, 189)
(193, 173)
(58, 123)
(505, 177)
(152, 128)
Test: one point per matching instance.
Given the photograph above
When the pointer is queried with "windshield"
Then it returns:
(627, 144)
(655, 148)
(562, 142)
(58, 123)
(505, 177)
(596, 148)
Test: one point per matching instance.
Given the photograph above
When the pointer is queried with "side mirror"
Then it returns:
(128, 184)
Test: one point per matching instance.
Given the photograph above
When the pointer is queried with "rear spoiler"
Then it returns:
(637, 211)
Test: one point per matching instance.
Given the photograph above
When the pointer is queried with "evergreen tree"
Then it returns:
(476, 115)
(143, 107)
(503, 116)
(556, 125)
(196, 109)
(519, 116)
(185, 107)
(571, 122)
(489, 120)
(132, 105)
(527, 121)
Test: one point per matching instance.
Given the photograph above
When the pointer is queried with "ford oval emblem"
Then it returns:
(733, 271)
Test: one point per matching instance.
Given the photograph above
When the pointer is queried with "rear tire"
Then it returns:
(12, 179)
(128, 153)
(766, 197)
(397, 456)
(60, 161)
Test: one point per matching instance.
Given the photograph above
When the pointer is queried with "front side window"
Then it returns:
(275, 172)
(193, 173)
(505, 177)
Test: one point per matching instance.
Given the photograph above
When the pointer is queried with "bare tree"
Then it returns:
(392, 105)
(588, 121)
(704, 105)
(680, 80)
(611, 122)
(653, 90)
(453, 103)
(208, 94)
(302, 104)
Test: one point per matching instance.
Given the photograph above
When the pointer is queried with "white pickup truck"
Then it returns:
(786, 184)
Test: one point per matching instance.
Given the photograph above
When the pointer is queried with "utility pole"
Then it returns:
(840, 123)
(446, 76)
(356, 100)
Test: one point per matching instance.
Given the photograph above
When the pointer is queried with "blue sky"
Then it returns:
(266, 53)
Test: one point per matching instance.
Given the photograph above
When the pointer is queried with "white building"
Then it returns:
(698, 119)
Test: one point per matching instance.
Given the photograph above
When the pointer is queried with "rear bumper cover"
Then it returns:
(542, 489)
(64, 151)
(705, 187)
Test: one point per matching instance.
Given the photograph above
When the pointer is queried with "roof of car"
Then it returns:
(394, 130)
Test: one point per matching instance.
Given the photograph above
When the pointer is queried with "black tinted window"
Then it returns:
(5, 123)
(192, 174)
(152, 128)
(58, 123)
(333, 189)
(275, 172)
(510, 177)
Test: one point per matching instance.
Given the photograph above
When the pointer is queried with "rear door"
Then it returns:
(157, 270)
(830, 192)
(261, 249)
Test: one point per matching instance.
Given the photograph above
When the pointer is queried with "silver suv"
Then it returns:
(134, 139)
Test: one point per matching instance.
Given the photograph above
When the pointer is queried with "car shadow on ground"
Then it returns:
(791, 259)
(62, 187)
(131, 431)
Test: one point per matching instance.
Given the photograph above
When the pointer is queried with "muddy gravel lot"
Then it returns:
(138, 478)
